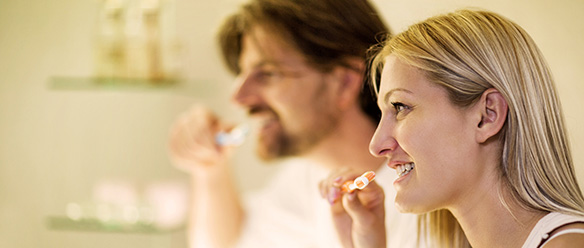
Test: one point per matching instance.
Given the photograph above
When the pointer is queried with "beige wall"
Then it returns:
(56, 144)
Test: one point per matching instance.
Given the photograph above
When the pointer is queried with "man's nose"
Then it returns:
(246, 91)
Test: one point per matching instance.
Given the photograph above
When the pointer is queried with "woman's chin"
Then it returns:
(410, 208)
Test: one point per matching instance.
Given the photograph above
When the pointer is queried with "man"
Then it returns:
(300, 72)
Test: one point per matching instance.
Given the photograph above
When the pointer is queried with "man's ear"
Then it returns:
(350, 82)
(493, 109)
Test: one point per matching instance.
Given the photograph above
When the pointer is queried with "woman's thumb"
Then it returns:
(355, 208)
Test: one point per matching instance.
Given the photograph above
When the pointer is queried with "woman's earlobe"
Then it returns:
(493, 114)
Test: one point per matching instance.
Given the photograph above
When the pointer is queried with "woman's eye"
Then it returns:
(399, 107)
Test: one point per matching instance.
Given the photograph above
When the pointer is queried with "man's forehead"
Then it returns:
(260, 47)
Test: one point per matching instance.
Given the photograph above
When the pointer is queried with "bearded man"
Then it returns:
(299, 69)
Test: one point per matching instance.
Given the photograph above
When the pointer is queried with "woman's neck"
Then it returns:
(488, 222)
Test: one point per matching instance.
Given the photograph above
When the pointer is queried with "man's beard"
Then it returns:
(284, 144)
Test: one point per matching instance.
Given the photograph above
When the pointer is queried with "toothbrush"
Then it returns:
(235, 137)
(359, 182)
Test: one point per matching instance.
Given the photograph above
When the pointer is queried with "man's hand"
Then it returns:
(192, 145)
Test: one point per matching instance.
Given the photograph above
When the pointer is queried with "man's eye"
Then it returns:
(266, 73)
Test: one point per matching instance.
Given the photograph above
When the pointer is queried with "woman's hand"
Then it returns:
(359, 217)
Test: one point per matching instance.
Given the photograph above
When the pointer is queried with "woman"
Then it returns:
(473, 126)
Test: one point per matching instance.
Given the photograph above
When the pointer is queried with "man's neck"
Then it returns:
(348, 145)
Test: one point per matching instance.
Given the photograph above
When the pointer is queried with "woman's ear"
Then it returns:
(350, 82)
(493, 108)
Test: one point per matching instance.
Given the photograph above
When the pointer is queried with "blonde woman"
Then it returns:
(472, 124)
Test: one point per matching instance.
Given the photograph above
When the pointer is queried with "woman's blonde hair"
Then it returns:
(468, 52)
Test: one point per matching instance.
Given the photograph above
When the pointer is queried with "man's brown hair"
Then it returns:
(326, 32)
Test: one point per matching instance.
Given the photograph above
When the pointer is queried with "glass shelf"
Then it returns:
(190, 88)
(96, 83)
(63, 223)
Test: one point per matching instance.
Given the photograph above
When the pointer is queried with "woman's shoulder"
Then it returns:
(562, 230)
(570, 235)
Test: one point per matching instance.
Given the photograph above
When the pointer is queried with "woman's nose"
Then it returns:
(383, 141)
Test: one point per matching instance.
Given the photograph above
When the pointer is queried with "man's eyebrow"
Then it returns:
(389, 93)
(257, 66)
(264, 63)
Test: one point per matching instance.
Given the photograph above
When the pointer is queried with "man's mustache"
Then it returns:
(260, 109)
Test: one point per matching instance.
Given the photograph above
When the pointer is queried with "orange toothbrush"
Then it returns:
(359, 182)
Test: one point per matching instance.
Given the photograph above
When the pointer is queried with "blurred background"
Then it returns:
(88, 90)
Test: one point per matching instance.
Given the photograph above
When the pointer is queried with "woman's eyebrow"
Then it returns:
(387, 95)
